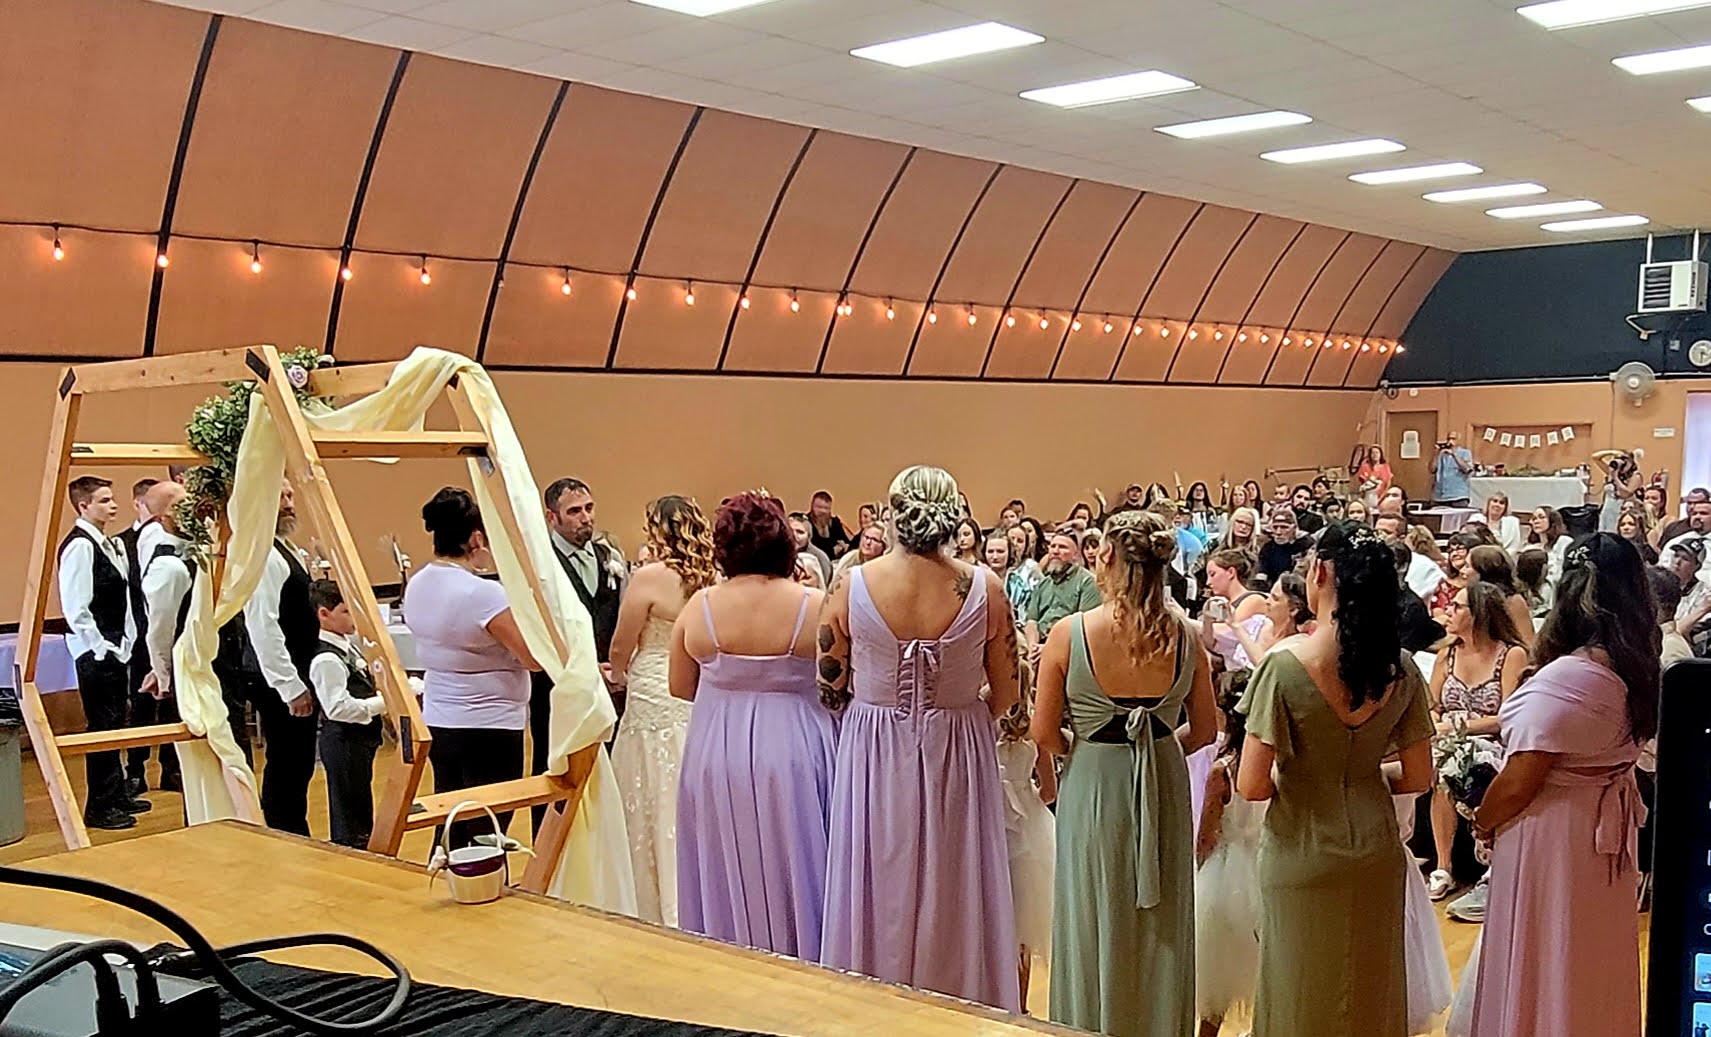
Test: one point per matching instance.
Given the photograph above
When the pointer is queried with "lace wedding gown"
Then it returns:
(645, 757)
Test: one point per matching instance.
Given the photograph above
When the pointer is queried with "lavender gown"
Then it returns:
(918, 876)
(753, 800)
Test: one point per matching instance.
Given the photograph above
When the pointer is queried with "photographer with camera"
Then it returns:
(1621, 483)
(1454, 464)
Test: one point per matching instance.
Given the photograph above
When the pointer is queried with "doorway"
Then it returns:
(1412, 473)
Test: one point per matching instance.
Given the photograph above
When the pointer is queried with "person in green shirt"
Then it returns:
(1065, 588)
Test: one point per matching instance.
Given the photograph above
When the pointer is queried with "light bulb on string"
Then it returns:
(932, 315)
(1307, 342)
(1241, 336)
(1218, 336)
(345, 273)
(58, 249)
(1347, 344)
(1107, 325)
(426, 279)
(890, 310)
(971, 318)
(1135, 328)
(255, 257)
(565, 287)
(689, 293)
(1075, 324)
(1264, 338)
(1044, 323)
(1399, 348)
(630, 293)
(1366, 347)
(1286, 340)
(744, 301)
(1164, 331)
(1193, 333)
(1009, 319)
(795, 303)
(161, 261)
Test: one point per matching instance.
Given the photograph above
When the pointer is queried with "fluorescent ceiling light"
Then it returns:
(1566, 14)
(1480, 194)
(1596, 223)
(1234, 124)
(1665, 61)
(703, 8)
(1521, 212)
(1700, 104)
(1151, 83)
(952, 43)
(1412, 173)
(1327, 152)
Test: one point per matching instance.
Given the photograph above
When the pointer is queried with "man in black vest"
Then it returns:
(152, 704)
(100, 630)
(284, 635)
(599, 580)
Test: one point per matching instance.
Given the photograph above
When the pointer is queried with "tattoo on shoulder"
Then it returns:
(964, 584)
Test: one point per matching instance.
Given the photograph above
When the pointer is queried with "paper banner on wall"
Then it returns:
(1503, 440)
(1410, 445)
(1490, 434)
(1567, 434)
(1533, 440)
(1552, 438)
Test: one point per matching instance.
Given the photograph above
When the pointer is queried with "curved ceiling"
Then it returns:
(140, 129)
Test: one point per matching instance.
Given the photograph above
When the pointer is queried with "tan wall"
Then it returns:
(634, 437)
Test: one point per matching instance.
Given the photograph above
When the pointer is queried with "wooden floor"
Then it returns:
(43, 839)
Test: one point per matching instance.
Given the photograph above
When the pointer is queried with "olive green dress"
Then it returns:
(1331, 892)
(1123, 907)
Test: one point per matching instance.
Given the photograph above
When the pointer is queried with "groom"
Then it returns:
(599, 579)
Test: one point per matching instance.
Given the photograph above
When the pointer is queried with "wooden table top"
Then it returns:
(235, 882)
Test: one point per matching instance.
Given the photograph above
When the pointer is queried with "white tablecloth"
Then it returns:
(1529, 492)
(1450, 520)
(54, 669)
(406, 645)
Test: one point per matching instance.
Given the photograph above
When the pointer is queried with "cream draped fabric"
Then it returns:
(595, 867)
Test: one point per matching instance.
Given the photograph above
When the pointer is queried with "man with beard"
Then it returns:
(284, 634)
(802, 532)
(164, 580)
(828, 531)
(1065, 588)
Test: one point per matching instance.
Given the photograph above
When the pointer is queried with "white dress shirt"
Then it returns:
(587, 564)
(261, 620)
(331, 678)
(77, 589)
(150, 537)
(166, 580)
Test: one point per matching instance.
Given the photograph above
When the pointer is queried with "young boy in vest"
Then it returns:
(351, 711)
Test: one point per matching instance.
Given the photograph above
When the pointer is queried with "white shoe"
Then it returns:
(1439, 884)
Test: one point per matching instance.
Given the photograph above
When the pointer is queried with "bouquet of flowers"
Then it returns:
(1466, 764)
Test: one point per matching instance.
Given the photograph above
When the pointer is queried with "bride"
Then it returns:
(649, 745)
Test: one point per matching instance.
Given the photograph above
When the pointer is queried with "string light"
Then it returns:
(744, 301)
(971, 317)
(1264, 338)
(689, 293)
(1366, 347)
(1075, 325)
(795, 304)
(255, 257)
(345, 273)
(1164, 331)
(426, 279)
(58, 249)
(1135, 328)
(565, 287)
(1286, 340)
(1193, 333)
(890, 310)
(161, 261)
(1044, 323)
(1009, 319)
(1399, 348)
(630, 293)
(932, 316)
(1383, 348)
(1347, 344)
(1218, 336)
(1307, 342)
(1241, 336)
(1107, 325)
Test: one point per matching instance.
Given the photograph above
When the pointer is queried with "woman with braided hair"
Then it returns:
(1123, 675)
(1322, 717)
(649, 746)
(917, 871)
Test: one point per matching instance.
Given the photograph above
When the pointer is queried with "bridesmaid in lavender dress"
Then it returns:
(918, 876)
(756, 779)
(1560, 952)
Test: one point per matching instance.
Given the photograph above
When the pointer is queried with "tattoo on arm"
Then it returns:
(833, 678)
(964, 584)
(1012, 651)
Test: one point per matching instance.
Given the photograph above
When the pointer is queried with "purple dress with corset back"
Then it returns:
(918, 873)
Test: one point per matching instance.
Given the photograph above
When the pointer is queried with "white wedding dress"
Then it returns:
(646, 756)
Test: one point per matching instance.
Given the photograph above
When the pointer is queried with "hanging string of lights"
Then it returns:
(845, 307)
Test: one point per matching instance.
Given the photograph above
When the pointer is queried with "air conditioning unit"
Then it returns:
(1672, 287)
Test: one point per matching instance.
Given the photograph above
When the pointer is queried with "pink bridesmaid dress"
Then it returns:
(1560, 954)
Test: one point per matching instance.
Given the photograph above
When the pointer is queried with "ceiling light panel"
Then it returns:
(1596, 223)
(1151, 83)
(1234, 124)
(1330, 152)
(1665, 61)
(1521, 212)
(948, 45)
(701, 8)
(1566, 14)
(1414, 173)
(1480, 194)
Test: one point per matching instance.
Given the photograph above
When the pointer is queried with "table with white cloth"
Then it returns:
(55, 670)
(405, 642)
(1450, 520)
(1526, 492)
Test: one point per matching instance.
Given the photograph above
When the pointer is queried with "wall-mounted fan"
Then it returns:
(1635, 381)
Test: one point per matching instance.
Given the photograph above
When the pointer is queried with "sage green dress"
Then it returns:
(1330, 879)
(1123, 907)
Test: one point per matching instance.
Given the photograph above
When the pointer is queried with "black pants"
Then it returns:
(145, 710)
(104, 686)
(347, 755)
(290, 760)
(464, 757)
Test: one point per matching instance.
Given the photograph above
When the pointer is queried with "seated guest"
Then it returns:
(1288, 544)
(1000, 556)
(351, 709)
(803, 532)
(1304, 503)
(1504, 526)
(871, 545)
(1358, 510)
(1424, 575)
(1065, 588)
(1420, 632)
(475, 691)
(1532, 567)
(1491, 564)
(1631, 527)
(1686, 558)
(1547, 530)
(1022, 558)
(826, 529)
(1243, 532)
(1699, 495)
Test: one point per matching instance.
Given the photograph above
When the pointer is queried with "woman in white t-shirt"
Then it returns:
(1504, 526)
(475, 693)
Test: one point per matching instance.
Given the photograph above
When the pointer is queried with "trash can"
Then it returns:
(11, 781)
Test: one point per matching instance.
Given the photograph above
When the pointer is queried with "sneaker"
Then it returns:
(136, 787)
(1470, 907)
(114, 820)
(136, 806)
(1439, 884)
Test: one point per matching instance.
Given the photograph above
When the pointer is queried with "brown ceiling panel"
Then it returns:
(1028, 351)
(1138, 254)
(1001, 234)
(1196, 260)
(1334, 286)
(1146, 357)
(1380, 282)
(1088, 358)
(1200, 359)
(388, 311)
(1366, 369)
(914, 234)
(720, 197)
(1062, 265)
(768, 336)
(210, 299)
(827, 210)
(951, 347)
(536, 325)
(282, 130)
(1395, 315)
(1246, 362)
(1334, 364)
(598, 178)
(92, 98)
(1293, 362)
(1294, 274)
(866, 342)
(663, 332)
(94, 303)
(1239, 283)
(457, 143)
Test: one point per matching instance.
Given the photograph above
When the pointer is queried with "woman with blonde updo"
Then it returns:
(649, 746)
(918, 874)
(1121, 676)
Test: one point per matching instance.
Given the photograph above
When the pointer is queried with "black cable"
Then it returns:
(214, 959)
(112, 1012)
